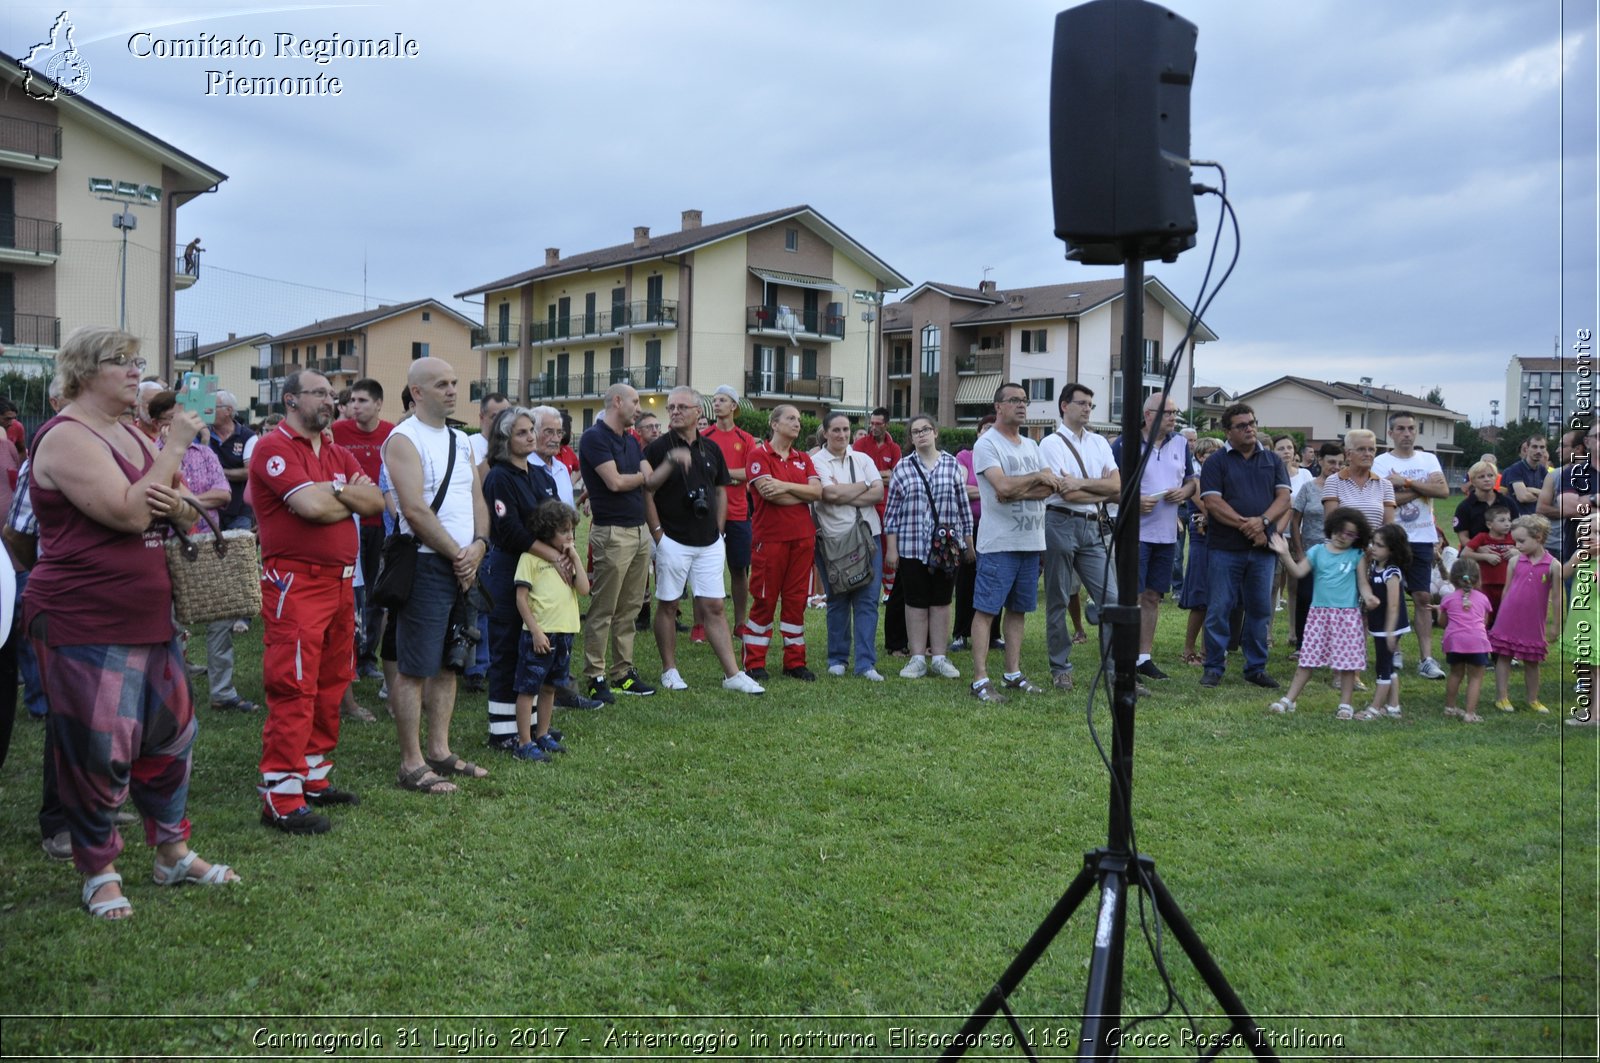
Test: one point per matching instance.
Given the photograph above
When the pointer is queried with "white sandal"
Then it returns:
(103, 909)
(1370, 713)
(1345, 713)
(1282, 705)
(178, 874)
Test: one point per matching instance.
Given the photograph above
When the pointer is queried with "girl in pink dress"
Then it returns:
(1527, 611)
(1465, 611)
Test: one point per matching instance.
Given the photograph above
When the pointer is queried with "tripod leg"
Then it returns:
(1024, 961)
(1102, 1000)
(1251, 1035)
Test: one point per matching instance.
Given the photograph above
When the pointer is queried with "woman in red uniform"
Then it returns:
(783, 484)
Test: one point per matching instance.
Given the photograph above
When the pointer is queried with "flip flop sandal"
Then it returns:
(103, 909)
(1471, 717)
(423, 781)
(178, 874)
(454, 765)
(1453, 712)
(1370, 713)
(1345, 713)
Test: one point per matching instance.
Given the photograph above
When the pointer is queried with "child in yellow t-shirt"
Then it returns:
(548, 605)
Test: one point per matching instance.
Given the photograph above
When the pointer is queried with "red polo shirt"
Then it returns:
(736, 446)
(283, 463)
(367, 449)
(774, 523)
(884, 457)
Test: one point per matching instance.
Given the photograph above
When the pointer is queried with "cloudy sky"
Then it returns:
(1404, 174)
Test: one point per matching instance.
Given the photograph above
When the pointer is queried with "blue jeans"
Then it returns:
(856, 610)
(1239, 576)
(27, 663)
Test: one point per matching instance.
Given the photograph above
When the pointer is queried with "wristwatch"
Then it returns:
(337, 489)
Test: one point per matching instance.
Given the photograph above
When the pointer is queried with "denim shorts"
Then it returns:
(1007, 579)
(1419, 574)
(535, 670)
(736, 538)
(1155, 566)
(1480, 660)
(420, 624)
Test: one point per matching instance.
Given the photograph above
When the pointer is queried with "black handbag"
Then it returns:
(397, 566)
(944, 546)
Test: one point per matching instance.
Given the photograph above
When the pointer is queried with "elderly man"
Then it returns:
(1418, 480)
(685, 513)
(1245, 491)
(362, 432)
(1169, 480)
(233, 442)
(1075, 551)
(736, 445)
(148, 389)
(616, 476)
(1524, 477)
(441, 503)
(306, 488)
(549, 427)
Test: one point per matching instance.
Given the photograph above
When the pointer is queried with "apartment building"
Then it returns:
(1550, 391)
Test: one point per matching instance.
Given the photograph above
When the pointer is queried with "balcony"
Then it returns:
(29, 145)
(980, 362)
(499, 336)
(781, 385)
(347, 364)
(901, 365)
(34, 332)
(185, 271)
(29, 241)
(811, 325)
(490, 385)
(274, 371)
(644, 378)
(626, 317)
(185, 345)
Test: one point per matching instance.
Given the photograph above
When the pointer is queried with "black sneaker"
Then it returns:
(473, 684)
(301, 821)
(632, 684)
(1211, 679)
(1149, 670)
(569, 698)
(1262, 679)
(502, 743)
(758, 674)
(331, 796)
(802, 673)
(600, 690)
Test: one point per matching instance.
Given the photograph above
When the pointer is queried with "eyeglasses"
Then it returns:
(1171, 411)
(1243, 424)
(120, 360)
(924, 430)
(1014, 400)
(673, 407)
(1085, 403)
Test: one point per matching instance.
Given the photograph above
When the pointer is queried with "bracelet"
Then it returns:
(480, 539)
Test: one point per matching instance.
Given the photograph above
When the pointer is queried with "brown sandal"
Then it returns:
(422, 780)
(454, 765)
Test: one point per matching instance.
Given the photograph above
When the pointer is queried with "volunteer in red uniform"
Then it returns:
(783, 484)
(304, 488)
(736, 445)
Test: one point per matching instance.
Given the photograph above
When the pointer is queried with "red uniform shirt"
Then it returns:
(282, 464)
(774, 523)
(885, 456)
(367, 449)
(736, 446)
(568, 457)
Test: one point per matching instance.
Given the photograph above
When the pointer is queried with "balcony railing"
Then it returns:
(273, 371)
(341, 363)
(490, 385)
(185, 345)
(820, 388)
(983, 362)
(620, 318)
(507, 334)
(36, 236)
(547, 386)
(804, 322)
(38, 140)
(901, 365)
(34, 331)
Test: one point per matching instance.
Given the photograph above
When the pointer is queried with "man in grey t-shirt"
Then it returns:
(1013, 483)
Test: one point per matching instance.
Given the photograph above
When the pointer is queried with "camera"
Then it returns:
(697, 500)
(460, 643)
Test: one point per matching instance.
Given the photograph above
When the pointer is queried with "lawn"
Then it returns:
(843, 868)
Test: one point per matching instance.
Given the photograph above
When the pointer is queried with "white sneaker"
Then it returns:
(1399, 660)
(836, 669)
(1429, 669)
(916, 669)
(742, 683)
(872, 675)
(672, 680)
(942, 666)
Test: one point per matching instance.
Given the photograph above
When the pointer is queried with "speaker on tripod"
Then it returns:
(1119, 132)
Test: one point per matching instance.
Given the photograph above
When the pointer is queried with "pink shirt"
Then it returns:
(1467, 615)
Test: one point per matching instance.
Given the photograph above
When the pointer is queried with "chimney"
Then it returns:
(986, 286)
(552, 255)
(641, 235)
(232, 336)
(691, 220)
(1014, 300)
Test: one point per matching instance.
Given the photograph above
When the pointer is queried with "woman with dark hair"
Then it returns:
(98, 609)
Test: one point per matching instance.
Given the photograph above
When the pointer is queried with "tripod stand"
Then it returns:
(1115, 867)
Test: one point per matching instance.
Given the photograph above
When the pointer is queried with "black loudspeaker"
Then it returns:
(1119, 132)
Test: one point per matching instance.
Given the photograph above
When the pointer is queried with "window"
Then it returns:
(564, 316)
(1347, 420)
(652, 297)
(791, 239)
(1152, 356)
(327, 349)
(619, 307)
(346, 347)
(589, 314)
(652, 363)
(767, 370)
(419, 350)
(588, 419)
(808, 363)
(427, 315)
(1033, 341)
(588, 373)
(930, 350)
(550, 323)
(1040, 387)
(503, 331)
(294, 354)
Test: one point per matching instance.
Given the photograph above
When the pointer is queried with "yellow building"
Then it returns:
(780, 305)
(380, 343)
(231, 361)
(89, 223)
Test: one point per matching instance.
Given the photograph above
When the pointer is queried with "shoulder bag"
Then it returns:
(219, 583)
(397, 567)
(847, 558)
(1102, 518)
(944, 548)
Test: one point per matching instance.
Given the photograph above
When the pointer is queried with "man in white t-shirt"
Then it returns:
(1013, 483)
(451, 543)
(1088, 471)
(1417, 480)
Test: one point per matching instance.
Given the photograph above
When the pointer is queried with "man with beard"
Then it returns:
(305, 487)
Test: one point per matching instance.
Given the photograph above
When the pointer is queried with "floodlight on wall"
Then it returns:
(127, 189)
(150, 193)
(101, 186)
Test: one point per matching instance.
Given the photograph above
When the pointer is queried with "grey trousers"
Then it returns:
(219, 661)
(1072, 546)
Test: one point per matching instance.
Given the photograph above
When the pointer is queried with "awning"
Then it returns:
(976, 389)
(798, 280)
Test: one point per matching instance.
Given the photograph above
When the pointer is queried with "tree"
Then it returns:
(1512, 436)
(1436, 396)
(1471, 442)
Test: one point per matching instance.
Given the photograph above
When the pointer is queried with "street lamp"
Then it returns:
(869, 315)
(1366, 409)
(125, 194)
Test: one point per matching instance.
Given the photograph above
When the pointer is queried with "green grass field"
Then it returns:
(834, 864)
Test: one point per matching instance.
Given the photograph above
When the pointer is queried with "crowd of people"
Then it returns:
(946, 551)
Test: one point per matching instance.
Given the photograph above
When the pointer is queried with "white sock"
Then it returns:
(1143, 657)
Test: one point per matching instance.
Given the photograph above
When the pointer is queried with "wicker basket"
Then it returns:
(212, 579)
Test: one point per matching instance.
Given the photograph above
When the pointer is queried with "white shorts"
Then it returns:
(697, 567)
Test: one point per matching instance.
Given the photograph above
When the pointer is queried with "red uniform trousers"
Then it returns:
(309, 660)
(779, 569)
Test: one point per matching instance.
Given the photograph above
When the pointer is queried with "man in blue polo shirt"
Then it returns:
(1524, 477)
(1245, 490)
